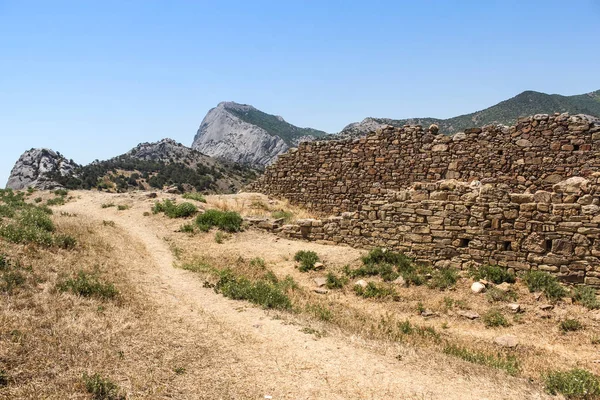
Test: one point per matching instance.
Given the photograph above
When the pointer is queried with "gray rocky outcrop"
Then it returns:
(35, 168)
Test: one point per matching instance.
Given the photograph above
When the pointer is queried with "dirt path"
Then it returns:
(276, 358)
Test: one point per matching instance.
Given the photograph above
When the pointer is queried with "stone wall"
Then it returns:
(524, 197)
(451, 223)
(337, 176)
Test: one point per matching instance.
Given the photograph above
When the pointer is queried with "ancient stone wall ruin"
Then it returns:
(337, 176)
(525, 197)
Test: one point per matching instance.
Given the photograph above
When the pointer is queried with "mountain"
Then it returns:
(244, 134)
(506, 113)
(147, 166)
(34, 167)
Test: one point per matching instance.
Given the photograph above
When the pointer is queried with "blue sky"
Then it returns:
(92, 79)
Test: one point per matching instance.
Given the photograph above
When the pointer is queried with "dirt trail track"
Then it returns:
(276, 358)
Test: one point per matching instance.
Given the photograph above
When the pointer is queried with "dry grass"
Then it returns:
(256, 205)
(49, 339)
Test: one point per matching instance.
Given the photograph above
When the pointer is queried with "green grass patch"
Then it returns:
(390, 265)
(228, 221)
(508, 363)
(570, 325)
(443, 278)
(492, 273)
(88, 285)
(335, 282)
(494, 318)
(194, 196)
(541, 281)
(108, 205)
(586, 296)
(101, 388)
(376, 291)
(172, 210)
(577, 384)
(319, 311)
(263, 292)
(307, 260)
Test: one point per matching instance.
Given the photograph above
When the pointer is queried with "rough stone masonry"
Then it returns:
(525, 197)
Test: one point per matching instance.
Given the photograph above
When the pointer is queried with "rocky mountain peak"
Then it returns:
(36, 166)
(241, 133)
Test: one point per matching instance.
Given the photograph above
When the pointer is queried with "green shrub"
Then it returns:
(373, 290)
(307, 260)
(57, 201)
(38, 199)
(31, 224)
(570, 325)
(108, 205)
(390, 265)
(378, 256)
(187, 228)
(576, 384)
(12, 274)
(172, 210)
(228, 221)
(586, 296)
(122, 207)
(492, 273)
(494, 318)
(194, 196)
(537, 281)
(508, 363)
(262, 292)
(88, 285)
(220, 237)
(61, 192)
(444, 278)
(101, 388)
(335, 282)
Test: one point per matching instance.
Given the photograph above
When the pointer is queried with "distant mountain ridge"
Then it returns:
(155, 165)
(505, 113)
(241, 133)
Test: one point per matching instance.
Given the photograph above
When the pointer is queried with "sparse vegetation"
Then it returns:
(194, 196)
(389, 266)
(376, 291)
(541, 281)
(228, 221)
(494, 294)
(576, 384)
(262, 292)
(443, 278)
(122, 207)
(494, 318)
(220, 237)
(586, 296)
(172, 210)
(3, 378)
(88, 285)
(287, 216)
(307, 260)
(335, 282)
(187, 228)
(108, 205)
(101, 388)
(508, 363)
(12, 274)
(570, 325)
(492, 273)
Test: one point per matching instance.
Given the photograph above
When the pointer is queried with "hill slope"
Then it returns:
(505, 113)
(148, 165)
(242, 133)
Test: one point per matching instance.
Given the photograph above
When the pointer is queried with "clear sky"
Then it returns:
(92, 79)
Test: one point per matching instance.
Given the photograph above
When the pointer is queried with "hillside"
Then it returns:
(147, 166)
(242, 133)
(506, 113)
